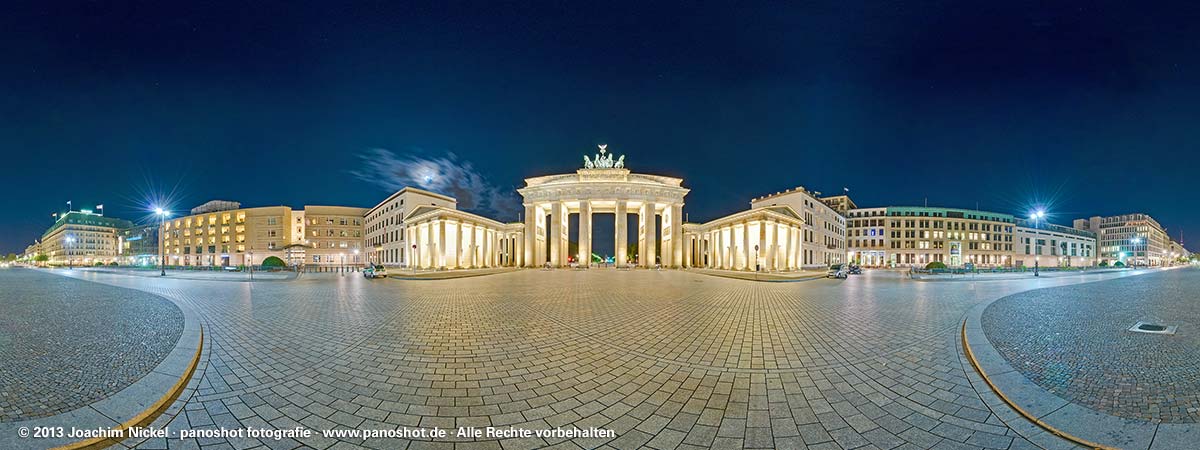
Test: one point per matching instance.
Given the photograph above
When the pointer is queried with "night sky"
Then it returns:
(1085, 108)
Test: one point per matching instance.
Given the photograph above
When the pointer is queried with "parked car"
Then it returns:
(855, 269)
(375, 271)
(836, 271)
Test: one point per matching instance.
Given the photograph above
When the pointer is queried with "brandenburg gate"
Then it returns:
(603, 186)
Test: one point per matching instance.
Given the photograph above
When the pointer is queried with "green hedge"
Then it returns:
(935, 265)
(273, 261)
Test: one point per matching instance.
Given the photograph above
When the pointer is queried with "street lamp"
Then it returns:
(356, 258)
(251, 265)
(342, 268)
(1136, 240)
(1039, 214)
(162, 237)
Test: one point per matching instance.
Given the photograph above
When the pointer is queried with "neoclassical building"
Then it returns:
(603, 186)
(767, 238)
(442, 237)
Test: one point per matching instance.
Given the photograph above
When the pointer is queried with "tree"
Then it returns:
(1103, 263)
(41, 257)
(11, 257)
(935, 265)
(1118, 264)
(273, 261)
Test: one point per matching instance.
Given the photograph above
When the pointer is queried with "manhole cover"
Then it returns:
(1153, 328)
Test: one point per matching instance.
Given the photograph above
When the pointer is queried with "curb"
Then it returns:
(1011, 404)
(784, 280)
(471, 275)
(148, 415)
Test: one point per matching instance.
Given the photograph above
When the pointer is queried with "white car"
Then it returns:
(375, 272)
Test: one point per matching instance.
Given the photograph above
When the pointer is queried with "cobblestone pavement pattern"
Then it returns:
(666, 359)
(66, 343)
(1076, 344)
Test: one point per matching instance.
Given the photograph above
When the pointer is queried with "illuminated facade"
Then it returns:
(387, 242)
(227, 238)
(138, 245)
(82, 238)
(765, 238)
(1050, 245)
(603, 186)
(445, 238)
(333, 236)
(824, 234)
(916, 236)
(1130, 238)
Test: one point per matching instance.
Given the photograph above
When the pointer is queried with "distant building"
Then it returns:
(138, 245)
(916, 236)
(216, 206)
(1130, 238)
(840, 203)
(384, 224)
(333, 236)
(82, 238)
(1050, 245)
(321, 236)
(227, 237)
(824, 230)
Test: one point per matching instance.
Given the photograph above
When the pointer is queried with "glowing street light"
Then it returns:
(1035, 217)
(1137, 240)
(162, 238)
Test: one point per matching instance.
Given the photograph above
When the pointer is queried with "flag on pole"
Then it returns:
(101, 208)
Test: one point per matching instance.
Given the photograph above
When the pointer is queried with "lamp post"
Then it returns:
(356, 259)
(251, 264)
(1136, 240)
(162, 238)
(342, 268)
(1037, 252)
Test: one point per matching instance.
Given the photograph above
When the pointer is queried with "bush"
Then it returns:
(273, 261)
(1103, 263)
(114, 263)
(98, 264)
(1118, 264)
(935, 265)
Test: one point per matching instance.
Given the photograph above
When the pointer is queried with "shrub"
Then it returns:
(273, 261)
(1118, 264)
(114, 263)
(1103, 263)
(935, 265)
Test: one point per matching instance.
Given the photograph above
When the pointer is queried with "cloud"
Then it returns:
(446, 175)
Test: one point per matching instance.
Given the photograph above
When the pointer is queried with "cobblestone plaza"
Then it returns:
(664, 359)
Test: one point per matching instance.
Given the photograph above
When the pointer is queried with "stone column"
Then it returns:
(553, 233)
(530, 229)
(438, 252)
(746, 249)
(621, 239)
(585, 233)
(651, 235)
(772, 241)
(677, 235)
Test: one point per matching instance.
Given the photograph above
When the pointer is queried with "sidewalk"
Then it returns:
(772, 277)
(404, 274)
(988, 276)
(204, 275)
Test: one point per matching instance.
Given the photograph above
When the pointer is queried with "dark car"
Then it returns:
(855, 269)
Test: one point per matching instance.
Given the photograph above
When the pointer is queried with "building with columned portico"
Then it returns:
(603, 185)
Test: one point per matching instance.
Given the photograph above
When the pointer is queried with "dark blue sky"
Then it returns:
(1090, 107)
